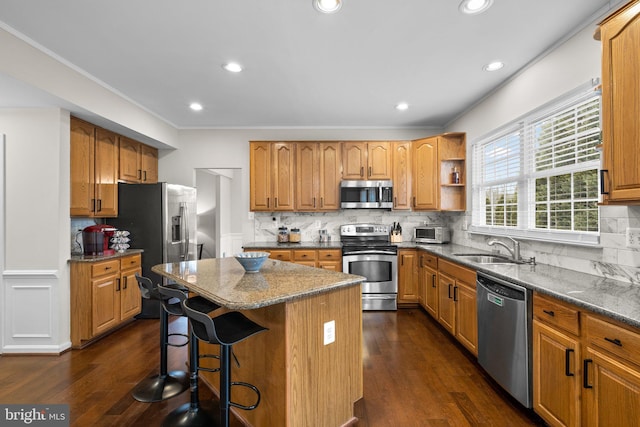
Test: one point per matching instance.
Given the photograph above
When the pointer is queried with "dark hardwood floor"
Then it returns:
(414, 375)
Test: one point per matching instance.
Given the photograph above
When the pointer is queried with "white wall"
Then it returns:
(36, 279)
(570, 65)
(207, 189)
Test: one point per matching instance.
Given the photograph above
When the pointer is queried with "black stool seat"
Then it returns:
(166, 384)
(226, 330)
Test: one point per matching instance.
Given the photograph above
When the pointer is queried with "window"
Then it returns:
(538, 177)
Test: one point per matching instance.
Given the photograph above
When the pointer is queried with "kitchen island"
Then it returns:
(303, 381)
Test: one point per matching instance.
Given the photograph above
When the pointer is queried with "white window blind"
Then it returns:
(538, 176)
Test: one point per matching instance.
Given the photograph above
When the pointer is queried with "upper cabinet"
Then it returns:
(367, 160)
(620, 35)
(94, 171)
(317, 176)
(439, 172)
(402, 175)
(272, 178)
(138, 162)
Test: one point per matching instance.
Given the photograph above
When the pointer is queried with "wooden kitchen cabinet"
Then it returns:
(429, 283)
(408, 286)
(367, 160)
(433, 161)
(620, 36)
(93, 171)
(104, 296)
(401, 175)
(330, 259)
(318, 176)
(138, 162)
(457, 310)
(272, 177)
(586, 369)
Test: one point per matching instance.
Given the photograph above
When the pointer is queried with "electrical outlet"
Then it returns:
(329, 332)
(633, 237)
(251, 216)
(317, 224)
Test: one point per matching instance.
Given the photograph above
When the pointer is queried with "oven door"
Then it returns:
(380, 271)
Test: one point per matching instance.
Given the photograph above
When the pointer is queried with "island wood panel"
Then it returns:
(302, 381)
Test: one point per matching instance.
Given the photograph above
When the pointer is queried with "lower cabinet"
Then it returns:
(408, 282)
(586, 367)
(429, 283)
(104, 295)
(330, 259)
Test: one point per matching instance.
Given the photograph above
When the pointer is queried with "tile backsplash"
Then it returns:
(611, 259)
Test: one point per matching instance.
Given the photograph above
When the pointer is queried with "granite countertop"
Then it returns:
(98, 258)
(302, 245)
(613, 298)
(224, 281)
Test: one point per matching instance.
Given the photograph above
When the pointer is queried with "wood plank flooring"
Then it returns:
(414, 375)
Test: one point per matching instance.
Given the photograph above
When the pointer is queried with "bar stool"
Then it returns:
(166, 384)
(226, 330)
(190, 414)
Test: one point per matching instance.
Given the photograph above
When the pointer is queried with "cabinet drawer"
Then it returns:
(428, 260)
(555, 312)
(619, 341)
(329, 254)
(281, 255)
(458, 271)
(105, 268)
(133, 261)
(304, 255)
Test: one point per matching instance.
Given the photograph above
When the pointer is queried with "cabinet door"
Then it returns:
(379, 160)
(407, 276)
(82, 168)
(425, 174)
(612, 393)
(620, 104)
(130, 298)
(331, 265)
(446, 305)
(430, 280)
(260, 176)
(464, 296)
(283, 176)
(330, 175)
(402, 175)
(556, 376)
(105, 308)
(130, 160)
(354, 160)
(106, 173)
(149, 164)
(307, 171)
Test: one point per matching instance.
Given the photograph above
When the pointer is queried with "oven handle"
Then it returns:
(373, 252)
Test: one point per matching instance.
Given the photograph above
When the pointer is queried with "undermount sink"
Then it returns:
(486, 259)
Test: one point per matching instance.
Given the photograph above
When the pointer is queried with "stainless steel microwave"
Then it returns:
(431, 234)
(366, 194)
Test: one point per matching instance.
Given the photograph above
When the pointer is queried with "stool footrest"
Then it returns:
(252, 387)
(177, 334)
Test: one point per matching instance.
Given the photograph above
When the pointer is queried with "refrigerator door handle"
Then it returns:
(184, 213)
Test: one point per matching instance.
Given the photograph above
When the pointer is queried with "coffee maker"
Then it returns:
(96, 238)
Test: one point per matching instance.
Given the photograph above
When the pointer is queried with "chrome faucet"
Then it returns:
(515, 252)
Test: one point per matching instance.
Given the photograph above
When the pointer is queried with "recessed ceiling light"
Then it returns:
(195, 106)
(472, 7)
(402, 106)
(493, 66)
(233, 67)
(327, 6)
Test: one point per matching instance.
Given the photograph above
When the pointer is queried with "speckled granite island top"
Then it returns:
(224, 281)
(98, 258)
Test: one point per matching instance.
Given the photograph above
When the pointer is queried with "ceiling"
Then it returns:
(301, 68)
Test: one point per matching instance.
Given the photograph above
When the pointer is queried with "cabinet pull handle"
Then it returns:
(395, 202)
(125, 283)
(602, 172)
(549, 312)
(99, 205)
(139, 173)
(414, 201)
(450, 285)
(117, 284)
(402, 260)
(421, 261)
(276, 199)
(370, 170)
(322, 202)
(93, 205)
(585, 373)
(268, 199)
(615, 341)
(361, 170)
(567, 362)
(145, 175)
(314, 202)
(433, 282)
(455, 293)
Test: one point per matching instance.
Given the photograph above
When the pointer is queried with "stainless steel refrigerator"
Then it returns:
(162, 220)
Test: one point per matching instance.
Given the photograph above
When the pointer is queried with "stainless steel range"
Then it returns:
(367, 251)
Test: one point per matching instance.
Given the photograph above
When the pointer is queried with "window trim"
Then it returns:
(525, 230)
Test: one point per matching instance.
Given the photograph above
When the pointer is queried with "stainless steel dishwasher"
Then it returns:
(504, 334)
